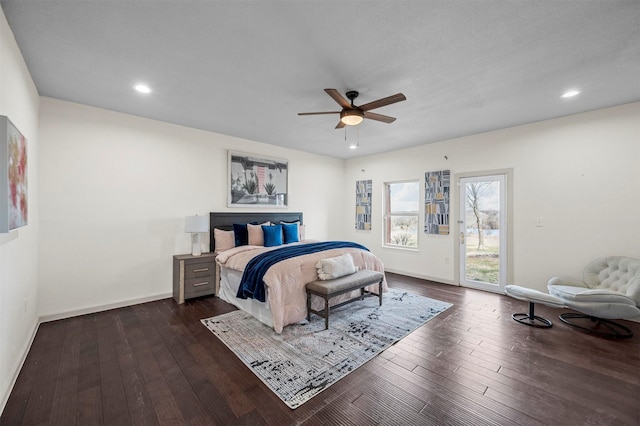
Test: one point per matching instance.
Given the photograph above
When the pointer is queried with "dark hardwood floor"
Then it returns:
(155, 363)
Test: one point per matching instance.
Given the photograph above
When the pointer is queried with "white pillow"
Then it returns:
(335, 267)
(224, 240)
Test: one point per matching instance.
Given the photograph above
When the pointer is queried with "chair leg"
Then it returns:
(616, 330)
(531, 319)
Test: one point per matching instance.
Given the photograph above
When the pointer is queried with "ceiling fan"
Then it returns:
(352, 115)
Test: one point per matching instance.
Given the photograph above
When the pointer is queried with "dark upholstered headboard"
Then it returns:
(225, 220)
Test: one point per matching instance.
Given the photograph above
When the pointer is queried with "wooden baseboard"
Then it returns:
(422, 277)
(16, 370)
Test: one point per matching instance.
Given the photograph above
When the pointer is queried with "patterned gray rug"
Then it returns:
(306, 359)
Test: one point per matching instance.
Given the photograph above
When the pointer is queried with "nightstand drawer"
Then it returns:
(198, 270)
(199, 285)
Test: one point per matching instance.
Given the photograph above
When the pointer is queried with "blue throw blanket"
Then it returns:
(252, 283)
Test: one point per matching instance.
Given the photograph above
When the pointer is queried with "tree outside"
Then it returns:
(482, 236)
(404, 231)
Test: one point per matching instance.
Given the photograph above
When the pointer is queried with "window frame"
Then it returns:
(388, 215)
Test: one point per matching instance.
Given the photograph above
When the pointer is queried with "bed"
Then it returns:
(284, 282)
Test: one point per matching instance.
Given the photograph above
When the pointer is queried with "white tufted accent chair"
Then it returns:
(610, 289)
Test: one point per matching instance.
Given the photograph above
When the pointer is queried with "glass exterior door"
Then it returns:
(483, 232)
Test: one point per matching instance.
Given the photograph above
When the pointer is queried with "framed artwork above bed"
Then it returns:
(257, 181)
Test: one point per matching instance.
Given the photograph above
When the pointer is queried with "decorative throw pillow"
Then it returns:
(255, 233)
(240, 233)
(272, 235)
(291, 232)
(223, 240)
(335, 267)
(301, 230)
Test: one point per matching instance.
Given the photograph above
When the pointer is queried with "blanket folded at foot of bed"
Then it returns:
(252, 282)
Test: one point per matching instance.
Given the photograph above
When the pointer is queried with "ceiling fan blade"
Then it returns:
(383, 102)
(338, 98)
(379, 117)
(319, 113)
(340, 125)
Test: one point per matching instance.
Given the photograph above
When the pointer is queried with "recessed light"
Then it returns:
(142, 88)
(570, 93)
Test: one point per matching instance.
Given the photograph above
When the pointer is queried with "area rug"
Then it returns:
(306, 359)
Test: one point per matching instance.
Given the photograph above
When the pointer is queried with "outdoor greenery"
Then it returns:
(482, 234)
(483, 264)
(404, 231)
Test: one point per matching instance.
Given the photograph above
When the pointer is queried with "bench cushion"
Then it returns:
(359, 279)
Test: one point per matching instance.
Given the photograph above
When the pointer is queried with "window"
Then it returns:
(401, 214)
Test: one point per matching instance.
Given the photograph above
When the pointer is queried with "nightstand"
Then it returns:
(193, 276)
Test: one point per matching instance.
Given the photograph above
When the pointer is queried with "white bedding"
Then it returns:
(229, 283)
(285, 282)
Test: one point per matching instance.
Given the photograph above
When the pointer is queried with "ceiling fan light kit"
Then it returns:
(352, 115)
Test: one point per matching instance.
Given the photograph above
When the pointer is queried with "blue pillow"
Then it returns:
(272, 235)
(240, 233)
(291, 232)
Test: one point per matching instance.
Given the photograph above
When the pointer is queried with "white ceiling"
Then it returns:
(246, 68)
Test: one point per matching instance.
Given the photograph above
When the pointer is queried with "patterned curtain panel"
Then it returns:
(363, 205)
(436, 202)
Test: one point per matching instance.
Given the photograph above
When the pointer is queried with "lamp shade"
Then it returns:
(196, 224)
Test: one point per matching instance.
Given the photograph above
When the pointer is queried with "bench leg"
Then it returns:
(326, 297)
(326, 313)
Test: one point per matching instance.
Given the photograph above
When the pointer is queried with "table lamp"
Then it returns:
(195, 225)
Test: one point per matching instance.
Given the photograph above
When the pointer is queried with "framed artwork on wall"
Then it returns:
(13, 177)
(363, 205)
(436, 202)
(257, 181)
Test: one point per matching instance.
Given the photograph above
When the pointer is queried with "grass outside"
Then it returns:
(482, 264)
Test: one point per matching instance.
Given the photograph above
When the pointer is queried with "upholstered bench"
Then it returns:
(335, 287)
(532, 296)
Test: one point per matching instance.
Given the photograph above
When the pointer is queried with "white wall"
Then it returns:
(19, 248)
(580, 174)
(115, 190)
